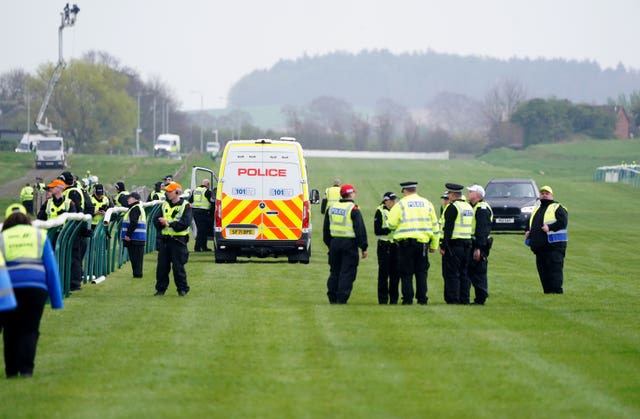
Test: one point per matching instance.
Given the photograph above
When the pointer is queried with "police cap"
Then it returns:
(388, 195)
(409, 184)
(454, 187)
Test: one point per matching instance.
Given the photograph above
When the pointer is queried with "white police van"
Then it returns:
(263, 201)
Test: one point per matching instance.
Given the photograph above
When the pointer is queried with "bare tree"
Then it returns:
(500, 102)
(388, 115)
(361, 128)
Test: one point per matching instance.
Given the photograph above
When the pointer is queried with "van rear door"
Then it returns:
(262, 192)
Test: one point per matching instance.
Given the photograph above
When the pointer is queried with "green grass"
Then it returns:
(258, 338)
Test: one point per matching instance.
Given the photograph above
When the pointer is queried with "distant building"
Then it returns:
(624, 124)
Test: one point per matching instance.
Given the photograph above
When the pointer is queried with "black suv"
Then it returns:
(512, 202)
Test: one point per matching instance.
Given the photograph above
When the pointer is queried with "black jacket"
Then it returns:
(538, 237)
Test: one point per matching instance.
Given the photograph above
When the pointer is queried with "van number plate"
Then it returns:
(241, 231)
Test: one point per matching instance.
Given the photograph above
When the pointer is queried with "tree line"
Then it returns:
(97, 102)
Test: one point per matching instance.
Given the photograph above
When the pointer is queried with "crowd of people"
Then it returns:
(408, 229)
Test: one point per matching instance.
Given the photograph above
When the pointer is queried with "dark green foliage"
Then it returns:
(553, 120)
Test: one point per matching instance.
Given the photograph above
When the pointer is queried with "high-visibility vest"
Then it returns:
(200, 201)
(7, 297)
(117, 198)
(413, 217)
(384, 213)
(54, 210)
(157, 196)
(97, 204)
(464, 221)
(26, 194)
(23, 245)
(550, 218)
(173, 214)
(333, 195)
(140, 233)
(340, 223)
(480, 205)
(80, 192)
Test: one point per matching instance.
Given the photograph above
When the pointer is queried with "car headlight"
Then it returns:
(527, 210)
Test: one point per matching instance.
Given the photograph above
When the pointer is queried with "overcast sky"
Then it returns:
(201, 47)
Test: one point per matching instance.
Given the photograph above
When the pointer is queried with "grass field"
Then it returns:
(258, 338)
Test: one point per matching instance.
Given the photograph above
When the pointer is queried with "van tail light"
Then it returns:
(218, 214)
(305, 214)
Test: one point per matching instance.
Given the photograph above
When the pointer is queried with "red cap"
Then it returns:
(347, 189)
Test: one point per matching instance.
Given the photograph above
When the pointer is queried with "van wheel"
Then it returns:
(302, 257)
(225, 256)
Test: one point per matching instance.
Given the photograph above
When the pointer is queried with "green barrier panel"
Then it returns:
(152, 232)
(64, 243)
(104, 251)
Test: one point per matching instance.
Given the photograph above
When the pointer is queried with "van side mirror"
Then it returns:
(315, 196)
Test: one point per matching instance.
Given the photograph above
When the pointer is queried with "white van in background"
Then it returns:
(262, 201)
(167, 145)
(50, 152)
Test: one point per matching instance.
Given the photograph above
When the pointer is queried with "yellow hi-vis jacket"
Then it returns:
(550, 218)
(414, 217)
(200, 201)
(384, 213)
(340, 222)
(462, 228)
(173, 214)
(333, 195)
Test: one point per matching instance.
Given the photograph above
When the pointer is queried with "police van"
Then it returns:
(263, 201)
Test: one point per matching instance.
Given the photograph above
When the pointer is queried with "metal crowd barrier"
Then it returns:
(105, 252)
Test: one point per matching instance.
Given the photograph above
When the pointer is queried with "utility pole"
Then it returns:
(138, 130)
(201, 119)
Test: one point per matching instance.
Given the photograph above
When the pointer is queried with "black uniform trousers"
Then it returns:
(478, 278)
(550, 263)
(204, 225)
(343, 268)
(78, 249)
(413, 260)
(454, 270)
(28, 205)
(388, 277)
(21, 329)
(136, 256)
(172, 253)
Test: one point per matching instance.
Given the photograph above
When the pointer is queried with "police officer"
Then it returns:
(101, 203)
(26, 196)
(343, 232)
(388, 278)
(156, 194)
(455, 246)
(83, 204)
(481, 242)
(40, 185)
(134, 233)
(34, 275)
(56, 204)
(547, 236)
(173, 224)
(331, 195)
(415, 228)
(121, 193)
(202, 202)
